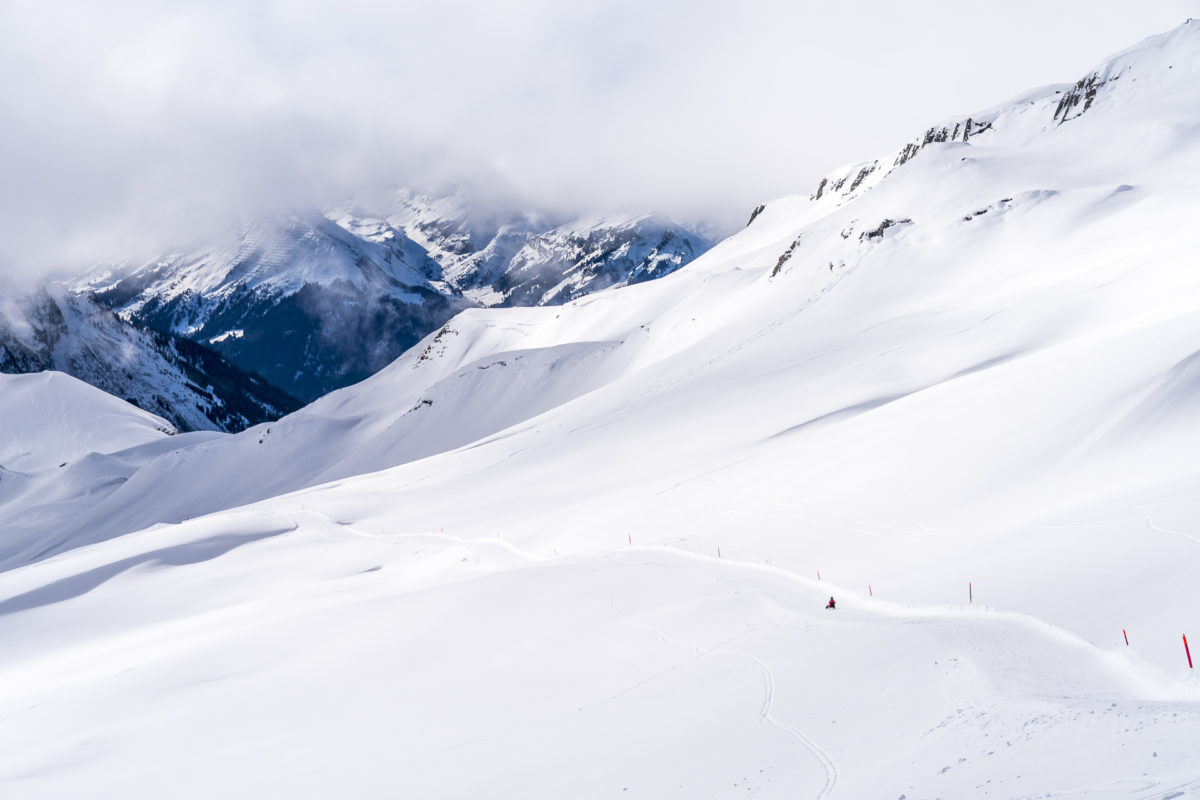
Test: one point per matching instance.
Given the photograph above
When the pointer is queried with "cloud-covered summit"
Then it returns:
(130, 126)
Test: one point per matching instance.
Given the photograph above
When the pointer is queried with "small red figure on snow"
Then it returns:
(831, 604)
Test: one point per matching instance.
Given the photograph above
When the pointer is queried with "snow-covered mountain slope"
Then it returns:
(51, 328)
(64, 443)
(1112, 84)
(960, 400)
(300, 300)
(346, 433)
(48, 418)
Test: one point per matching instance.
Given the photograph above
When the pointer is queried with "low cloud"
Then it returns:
(130, 126)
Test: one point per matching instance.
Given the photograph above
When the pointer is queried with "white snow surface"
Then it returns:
(48, 418)
(583, 551)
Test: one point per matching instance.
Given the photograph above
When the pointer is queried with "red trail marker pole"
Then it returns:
(818, 574)
(870, 591)
(1187, 650)
(719, 551)
(1126, 635)
(631, 538)
(970, 593)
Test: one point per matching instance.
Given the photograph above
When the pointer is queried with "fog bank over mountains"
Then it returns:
(140, 127)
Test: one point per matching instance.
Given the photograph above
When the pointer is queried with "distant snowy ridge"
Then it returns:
(591, 255)
(318, 301)
(530, 259)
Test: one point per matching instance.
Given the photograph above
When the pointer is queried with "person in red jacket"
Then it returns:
(831, 604)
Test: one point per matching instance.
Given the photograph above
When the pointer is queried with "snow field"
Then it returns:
(306, 657)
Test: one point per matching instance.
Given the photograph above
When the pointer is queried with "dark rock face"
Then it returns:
(878, 232)
(786, 256)
(233, 398)
(324, 337)
(1084, 92)
(187, 384)
(306, 304)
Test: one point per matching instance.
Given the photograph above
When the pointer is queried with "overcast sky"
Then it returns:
(127, 125)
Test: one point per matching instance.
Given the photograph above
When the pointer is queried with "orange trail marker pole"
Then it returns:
(870, 590)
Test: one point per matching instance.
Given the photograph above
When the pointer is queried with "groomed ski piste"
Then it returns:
(585, 551)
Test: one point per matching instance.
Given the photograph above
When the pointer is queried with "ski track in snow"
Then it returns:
(828, 765)
(826, 761)
(822, 757)
(1150, 524)
(1014, 639)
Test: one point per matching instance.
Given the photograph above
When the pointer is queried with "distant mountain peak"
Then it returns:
(315, 300)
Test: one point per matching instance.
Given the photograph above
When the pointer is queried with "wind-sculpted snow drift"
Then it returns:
(595, 558)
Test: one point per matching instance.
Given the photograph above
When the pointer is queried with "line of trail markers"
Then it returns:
(970, 599)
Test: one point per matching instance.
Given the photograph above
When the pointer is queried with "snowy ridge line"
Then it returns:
(1154, 687)
(914, 612)
(1018, 120)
